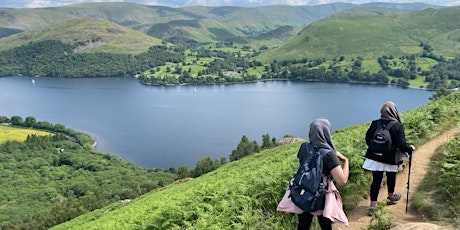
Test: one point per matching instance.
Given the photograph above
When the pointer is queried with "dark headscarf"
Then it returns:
(389, 112)
(320, 133)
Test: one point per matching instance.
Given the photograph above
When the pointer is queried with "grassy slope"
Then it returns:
(213, 23)
(244, 194)
(97, 35)
(370, 11)
(374, 36)
(120, 13)
(18, 134)
(440, 185)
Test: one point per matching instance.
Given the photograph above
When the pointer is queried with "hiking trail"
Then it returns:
(358, 218)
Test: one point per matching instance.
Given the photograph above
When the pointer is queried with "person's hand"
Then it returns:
(341, 157)
(411, 149)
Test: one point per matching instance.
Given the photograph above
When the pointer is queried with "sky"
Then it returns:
(181, 3)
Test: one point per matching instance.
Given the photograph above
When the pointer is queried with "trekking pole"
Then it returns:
(409, 155)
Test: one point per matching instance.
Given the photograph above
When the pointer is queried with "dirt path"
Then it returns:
(358, 218)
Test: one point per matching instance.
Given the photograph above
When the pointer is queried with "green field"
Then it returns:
(18, 134)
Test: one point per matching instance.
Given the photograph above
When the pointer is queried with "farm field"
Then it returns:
(8, 133)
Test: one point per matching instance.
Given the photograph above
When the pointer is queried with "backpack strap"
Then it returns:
(310, 149)
(310, 152)
(322, 152)
(389, 125)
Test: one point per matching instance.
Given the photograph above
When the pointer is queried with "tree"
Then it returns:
(402, 82)
(17, 120)
(205, 165)
(59, 127)
(441, 92)
(267, 142)
(182, 172)
(30, 121)
(223, 161)
(4, 119)
(244, 148)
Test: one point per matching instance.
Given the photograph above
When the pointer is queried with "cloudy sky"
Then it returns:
(180, 3)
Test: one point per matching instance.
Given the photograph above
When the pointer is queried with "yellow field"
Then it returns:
(17, 134)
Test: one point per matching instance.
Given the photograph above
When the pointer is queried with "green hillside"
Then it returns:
(244, 194)
(96, 36)
(49, 174)
(441, 185)
(120, 13)
(199, 24)
(375, 36)
(370, 11)
(353, 44)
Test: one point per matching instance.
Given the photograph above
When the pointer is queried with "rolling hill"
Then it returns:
(89, 35)
(374, 36)
(189, 25)
(201, 23)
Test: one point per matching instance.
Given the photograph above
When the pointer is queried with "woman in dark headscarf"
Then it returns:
(375, 163)
(320, 137)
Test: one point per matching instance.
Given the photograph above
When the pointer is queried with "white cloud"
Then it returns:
(39, 3)
(312, 2)
(447, 2)
(56, 3)
(179, 3)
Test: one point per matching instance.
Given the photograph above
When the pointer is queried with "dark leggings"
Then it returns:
(306, 218)
(377, 177)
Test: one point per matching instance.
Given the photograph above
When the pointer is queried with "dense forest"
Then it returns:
(47, 180)
(53, 58)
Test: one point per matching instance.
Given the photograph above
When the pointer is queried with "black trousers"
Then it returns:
(306, 218)
(377, 177)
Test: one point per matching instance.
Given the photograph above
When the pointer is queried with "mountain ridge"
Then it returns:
(375, 36)
(232, 21)
(94, 35)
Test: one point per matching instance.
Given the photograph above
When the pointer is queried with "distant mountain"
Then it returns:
(374, 36)
(402, 6)
(196, 25)
(199, 23)
(369, 11)
(88, 35)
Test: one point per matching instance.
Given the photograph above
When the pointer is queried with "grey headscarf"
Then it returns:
(389, 112)
(320, 133)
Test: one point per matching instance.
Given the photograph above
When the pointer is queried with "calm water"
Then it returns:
(161, 126)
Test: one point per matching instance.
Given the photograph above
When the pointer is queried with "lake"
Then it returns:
(172, 126)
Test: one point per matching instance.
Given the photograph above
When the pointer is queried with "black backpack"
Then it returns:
(308, 190)
(381, 144)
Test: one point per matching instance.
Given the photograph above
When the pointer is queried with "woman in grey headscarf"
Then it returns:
(320, 137)
(378, 163)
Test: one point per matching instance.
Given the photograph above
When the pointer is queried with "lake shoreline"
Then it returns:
(161, 127)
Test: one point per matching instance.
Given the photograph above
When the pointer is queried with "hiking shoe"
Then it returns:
(394, 199)
(371, 211)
